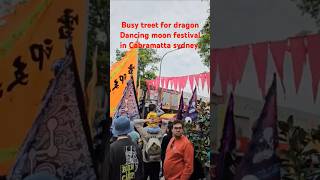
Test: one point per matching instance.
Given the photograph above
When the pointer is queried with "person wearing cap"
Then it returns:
(125, 155)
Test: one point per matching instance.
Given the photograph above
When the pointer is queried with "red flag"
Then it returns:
(232, 68)
(166, 83)
(203, 79)
(175, 83)
(314, 61)
(162, 82)
(278, 50)
(184, 81)
(197, 79)
(208, 80)
(260, 56)
(298, 52)
(147, 84)
(223, 63)
(213, 67)
(241, 55)
(191, 79)
(157, 83)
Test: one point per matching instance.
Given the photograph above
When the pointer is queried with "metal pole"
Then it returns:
(159, 98)
(162, 59)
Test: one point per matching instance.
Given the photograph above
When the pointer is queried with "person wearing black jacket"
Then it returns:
(125, 155)
(165, 142)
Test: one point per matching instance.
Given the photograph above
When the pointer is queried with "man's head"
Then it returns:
(169, 127)
(152, 107)
(121, 126)
(177, 128)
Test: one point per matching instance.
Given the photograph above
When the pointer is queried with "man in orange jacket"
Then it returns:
(178, 164)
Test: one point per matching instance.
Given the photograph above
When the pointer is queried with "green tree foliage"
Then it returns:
(98, 33)
(199, 132)
(204, 43)
(296, 160)
(311, 7)
(147, 59)
(120, 54)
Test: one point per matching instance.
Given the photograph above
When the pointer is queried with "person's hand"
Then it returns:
(149, 120)
(165, 121)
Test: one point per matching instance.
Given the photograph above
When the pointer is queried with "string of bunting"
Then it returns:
(179, 83)
(230, 63)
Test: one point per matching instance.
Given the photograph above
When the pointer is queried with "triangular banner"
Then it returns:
(278, 50)
(241, 56)
(175, 83)
(166, 83)
(222, 57)
(128, 105)
(197, 79)
(180, 79)
(213, 69)
(260, 56)
(59, 141)
(208, 81)
(203, 80)
(184, 82)
(191, 80)
(314, 61)
(162, 82)
(298, 53)
(232, 68)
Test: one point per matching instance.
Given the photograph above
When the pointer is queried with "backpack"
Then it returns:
(153, 149)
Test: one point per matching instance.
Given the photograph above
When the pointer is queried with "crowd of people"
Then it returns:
(150, 149)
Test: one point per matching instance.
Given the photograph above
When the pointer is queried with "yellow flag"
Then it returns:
(32, 38)
(120, 73)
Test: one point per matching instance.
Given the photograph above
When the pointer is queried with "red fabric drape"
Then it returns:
(314, 62)
(222, 57)
(166, 81)
(203, 79)
(197, 79)
(260, 56)
(278, 50)
(241, 55)
(191, 80)
(298, 53)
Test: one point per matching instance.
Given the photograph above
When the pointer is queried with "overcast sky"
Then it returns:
(235, 23)
(243, 22)
(178, 63)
